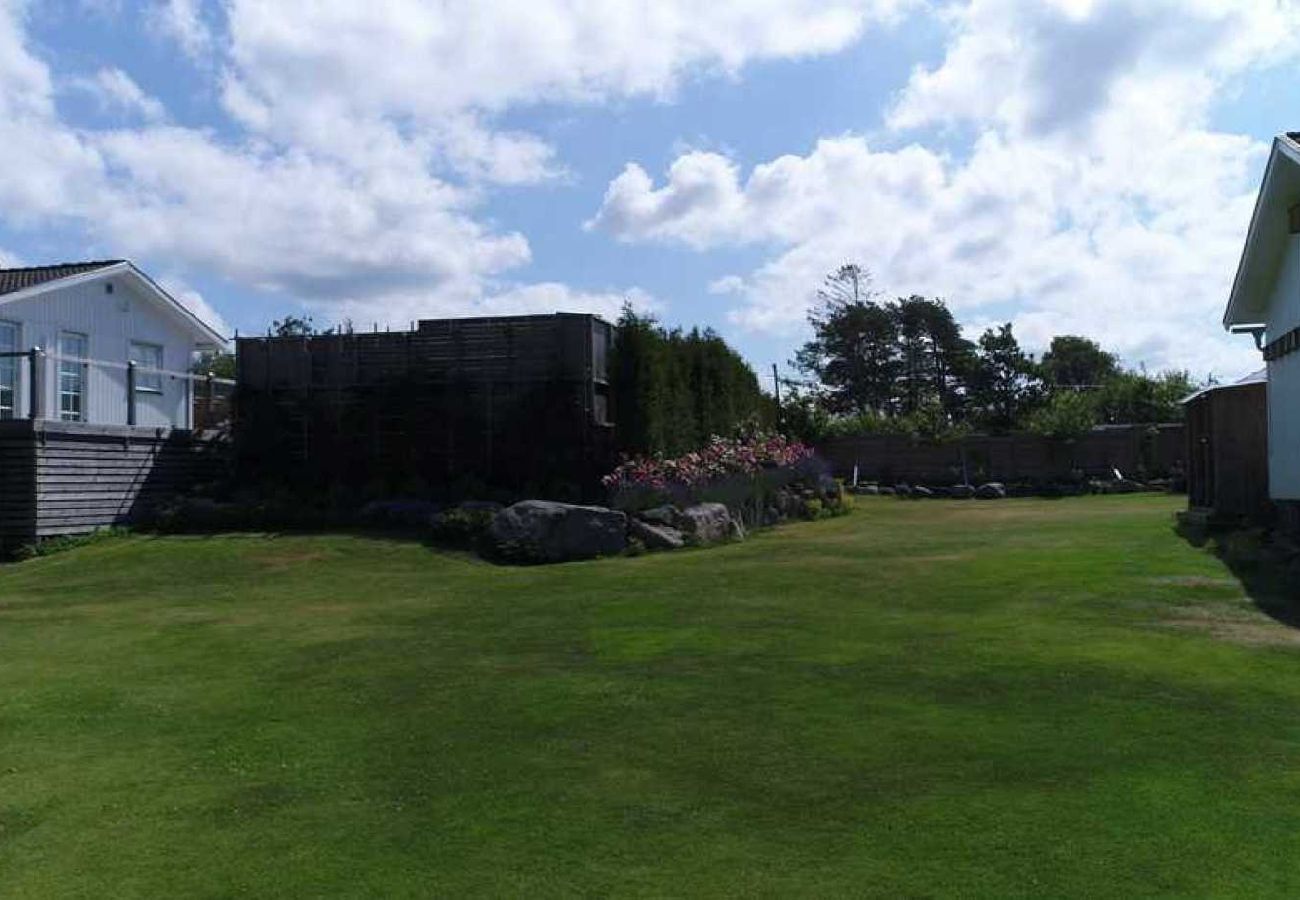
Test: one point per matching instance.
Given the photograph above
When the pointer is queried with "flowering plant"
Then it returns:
(720, 459)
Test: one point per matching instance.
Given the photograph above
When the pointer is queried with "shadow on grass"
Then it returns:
(1264, 567)
(446, 549)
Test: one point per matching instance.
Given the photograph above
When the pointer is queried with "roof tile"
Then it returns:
(12, 280)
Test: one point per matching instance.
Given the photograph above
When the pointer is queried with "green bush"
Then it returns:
(461, 526)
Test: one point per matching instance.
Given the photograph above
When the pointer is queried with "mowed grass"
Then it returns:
(1008, 699)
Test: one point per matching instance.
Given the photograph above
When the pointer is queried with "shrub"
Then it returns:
(462, 526)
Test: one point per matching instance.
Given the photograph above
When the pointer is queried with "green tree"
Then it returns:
(1135, 397)
(217, 362)
(293, 326)
(673, 390)
(854, 350)
(937, 362)
(1068, 414)
(1006, 385)
(1077, 362)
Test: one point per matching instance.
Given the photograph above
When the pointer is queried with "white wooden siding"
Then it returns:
(111, 322)
(1284, 381)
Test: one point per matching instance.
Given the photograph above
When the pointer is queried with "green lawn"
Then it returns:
(1016, 698)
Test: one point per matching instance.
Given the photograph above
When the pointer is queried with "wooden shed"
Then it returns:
(1227, 450)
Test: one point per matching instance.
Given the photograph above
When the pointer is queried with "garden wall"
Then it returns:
(1137, 451)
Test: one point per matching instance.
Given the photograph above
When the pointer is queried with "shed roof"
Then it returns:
(1259, 376)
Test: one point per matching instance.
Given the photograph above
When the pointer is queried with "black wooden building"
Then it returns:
(451, 408)
(1227, 451)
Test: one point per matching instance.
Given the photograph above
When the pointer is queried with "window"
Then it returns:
(72, 376)
(149, 359)
(8, 370)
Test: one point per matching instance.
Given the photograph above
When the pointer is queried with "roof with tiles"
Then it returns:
(12, 280)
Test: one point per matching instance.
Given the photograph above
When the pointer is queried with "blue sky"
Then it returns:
(1071, 166)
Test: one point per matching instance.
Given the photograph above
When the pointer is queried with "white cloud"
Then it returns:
(400, 310)
(370, 134)
(116, 91)
(1042, 66)
(183, 22)
(1108, 207)
(447, 57)
(194, 301)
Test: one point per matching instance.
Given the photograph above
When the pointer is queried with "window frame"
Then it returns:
(79, 370)
(147, 382)
(9, 365)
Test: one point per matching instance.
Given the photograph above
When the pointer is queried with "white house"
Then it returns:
(88, 321)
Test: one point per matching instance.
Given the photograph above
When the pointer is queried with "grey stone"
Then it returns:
(656, 537)
(993, 490)
(545, 531)
(961, 492)
(664, 516)
(921, 491)
(707, 523)
(867, 490)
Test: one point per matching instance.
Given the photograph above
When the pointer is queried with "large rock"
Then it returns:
(993, 490)
(920, 492)
(961, 492)
(664, 516)
(545, 531)
(707, 523)
(656, 537)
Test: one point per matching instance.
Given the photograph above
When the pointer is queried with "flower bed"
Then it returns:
(752, 476)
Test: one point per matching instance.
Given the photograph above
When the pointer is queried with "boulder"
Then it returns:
(545, 531)
(921, 492)
(656, 537)
(902, 490)
(867, 490)
(961, 492)
(993, 490)
(788, 504)
(885, 490)
(664, 516)
(707, 523)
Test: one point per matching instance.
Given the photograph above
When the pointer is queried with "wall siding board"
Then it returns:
(110, 322)
(71, 478)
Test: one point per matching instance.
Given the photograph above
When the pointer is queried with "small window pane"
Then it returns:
(72, 377)
(148, 359)
(8, 370)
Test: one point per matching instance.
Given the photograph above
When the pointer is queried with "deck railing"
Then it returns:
(206, 401)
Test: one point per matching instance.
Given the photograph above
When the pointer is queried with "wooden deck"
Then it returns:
(60, 478)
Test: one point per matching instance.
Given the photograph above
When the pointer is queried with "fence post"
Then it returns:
(208, 415)
(130, 392)
(34, 385)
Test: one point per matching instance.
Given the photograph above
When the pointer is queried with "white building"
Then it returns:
(87, 322)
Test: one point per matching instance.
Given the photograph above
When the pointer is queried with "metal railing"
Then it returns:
(207, 398)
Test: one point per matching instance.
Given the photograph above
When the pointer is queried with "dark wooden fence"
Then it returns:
(1137, 451)
(456, 407)
(61, 478)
